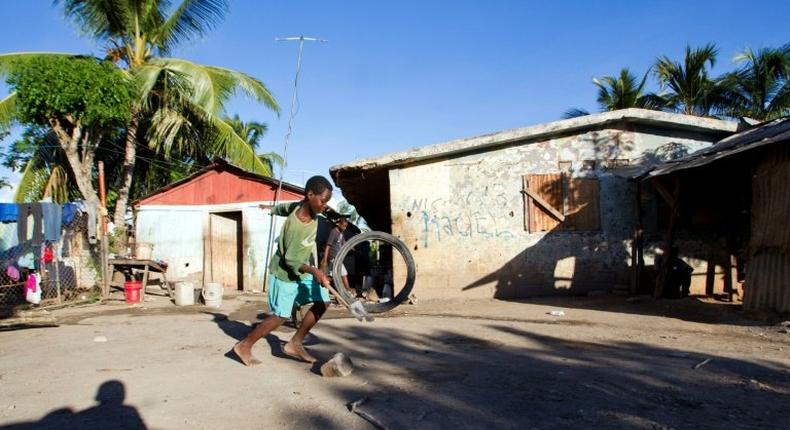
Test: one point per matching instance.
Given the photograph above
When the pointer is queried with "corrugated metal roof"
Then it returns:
(767, 133)
(220, 164)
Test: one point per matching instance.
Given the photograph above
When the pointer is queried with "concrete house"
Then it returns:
(209, 228)
(540, 210)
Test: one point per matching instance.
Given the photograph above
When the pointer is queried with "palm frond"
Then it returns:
(235, 149)
(272, 158)
(213, 86)
(33, 181)
(574, 113)
(250, 86)
(192, 18)
(7, 111)
(688, 87)
(100, 19)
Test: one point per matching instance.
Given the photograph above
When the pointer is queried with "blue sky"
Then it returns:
(397, 75)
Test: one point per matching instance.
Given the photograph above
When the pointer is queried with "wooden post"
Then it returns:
(105, 249)
(669, 239)
(57, 270)
(637, 260)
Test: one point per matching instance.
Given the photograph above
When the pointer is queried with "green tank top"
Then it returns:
(295, 246)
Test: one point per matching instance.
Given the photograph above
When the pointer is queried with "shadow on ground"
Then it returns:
(460, 380)
(110, 412)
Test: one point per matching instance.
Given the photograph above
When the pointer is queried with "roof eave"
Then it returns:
(540, 131)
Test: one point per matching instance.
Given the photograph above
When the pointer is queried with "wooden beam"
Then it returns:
(664, 193)
(560, 217)
(668, 241)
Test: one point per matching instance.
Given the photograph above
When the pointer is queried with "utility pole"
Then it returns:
(294, 101)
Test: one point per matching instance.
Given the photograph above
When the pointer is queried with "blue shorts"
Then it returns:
(284, 295)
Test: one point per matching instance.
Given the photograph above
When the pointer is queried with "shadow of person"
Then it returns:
(109, 413)
(239, 330)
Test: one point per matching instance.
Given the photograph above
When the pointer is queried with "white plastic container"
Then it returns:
(212, 294)
(185, 294)
(144, 250)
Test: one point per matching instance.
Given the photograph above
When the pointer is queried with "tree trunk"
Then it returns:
(82, 167)
(130, 154)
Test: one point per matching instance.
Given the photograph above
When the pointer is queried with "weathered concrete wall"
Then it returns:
(463, 217)
(178, 235)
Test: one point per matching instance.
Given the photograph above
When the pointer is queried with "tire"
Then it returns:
(411, 271)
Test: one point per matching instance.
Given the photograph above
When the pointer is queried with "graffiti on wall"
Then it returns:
(487, 214)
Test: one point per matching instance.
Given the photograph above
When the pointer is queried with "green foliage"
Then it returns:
(623, 92)
(690, 89)
(161, 26)
(94, 93)
(37, 155)
(760, 87)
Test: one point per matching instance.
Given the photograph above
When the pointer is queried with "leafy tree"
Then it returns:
(178, 105)
(183, 100)
(82, 100)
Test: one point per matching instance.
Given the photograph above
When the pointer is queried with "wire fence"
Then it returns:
(66, 270)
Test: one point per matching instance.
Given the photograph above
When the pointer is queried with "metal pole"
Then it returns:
(57, 269)
(105, 249)
(294, 103)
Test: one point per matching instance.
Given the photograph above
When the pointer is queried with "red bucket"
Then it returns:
(132, 291)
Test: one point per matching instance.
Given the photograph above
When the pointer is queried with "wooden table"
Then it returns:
(127, 266)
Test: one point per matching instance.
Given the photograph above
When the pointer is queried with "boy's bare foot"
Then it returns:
(245, 355)
(298, 352)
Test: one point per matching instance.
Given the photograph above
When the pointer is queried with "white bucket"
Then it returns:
(185, 294)
(144, 250)
(212, 294)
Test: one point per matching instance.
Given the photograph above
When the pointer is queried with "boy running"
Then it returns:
(294, 279)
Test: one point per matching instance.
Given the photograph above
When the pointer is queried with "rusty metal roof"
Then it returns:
(221, 164)
(767, 133)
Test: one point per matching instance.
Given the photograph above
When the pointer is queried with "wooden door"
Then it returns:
(225, 245)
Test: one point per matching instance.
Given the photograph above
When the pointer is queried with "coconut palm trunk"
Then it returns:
(127, 173)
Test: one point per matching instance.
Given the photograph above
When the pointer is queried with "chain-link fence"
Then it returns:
(66, 270)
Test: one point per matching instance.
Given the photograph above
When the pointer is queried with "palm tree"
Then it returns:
(252, 132)
(39, 156)
(760, 88)
(180, 103)
(621, 92)
(690, 90)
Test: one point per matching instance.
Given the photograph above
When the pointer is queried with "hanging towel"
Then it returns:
(8, 212)
(92, 215)
(26, 209)
(27, 261)
(69, 211)
(52, 216)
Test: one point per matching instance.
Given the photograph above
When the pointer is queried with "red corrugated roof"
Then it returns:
(221, 183)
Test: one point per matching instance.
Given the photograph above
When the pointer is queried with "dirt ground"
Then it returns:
(452, 364)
